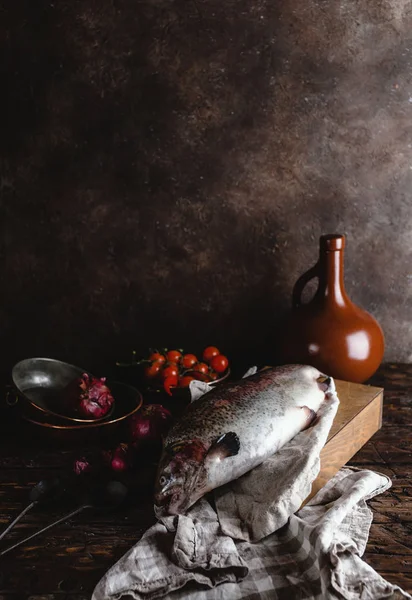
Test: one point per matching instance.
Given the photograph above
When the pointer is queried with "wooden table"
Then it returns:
(67, 563)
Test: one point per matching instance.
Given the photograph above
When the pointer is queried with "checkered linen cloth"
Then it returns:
(315, 556)
(255, 543)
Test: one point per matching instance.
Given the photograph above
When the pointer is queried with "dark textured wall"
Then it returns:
(167, 168)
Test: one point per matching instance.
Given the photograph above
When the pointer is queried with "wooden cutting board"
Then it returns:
(359, 416)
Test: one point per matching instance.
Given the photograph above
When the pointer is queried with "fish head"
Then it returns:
(181, 477)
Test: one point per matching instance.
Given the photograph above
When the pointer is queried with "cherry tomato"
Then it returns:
(157, 356)
(201, 377)
(201, 368)
(213, 376)
(170, 371)
(153, 370)
(209, 353)
(170, 381)
(189, 360)
(174, 356)
(219, 363)
(185, 381)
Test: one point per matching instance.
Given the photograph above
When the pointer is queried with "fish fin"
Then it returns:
(311, 417)
(226, 445)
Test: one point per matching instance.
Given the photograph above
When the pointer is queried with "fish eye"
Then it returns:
(162, 480)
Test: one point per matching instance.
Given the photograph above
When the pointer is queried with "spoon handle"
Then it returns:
(33, 535)
(17, 519)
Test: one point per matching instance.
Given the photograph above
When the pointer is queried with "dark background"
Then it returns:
(167, 168)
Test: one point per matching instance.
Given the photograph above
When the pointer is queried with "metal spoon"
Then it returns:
(44, 491)
(106, 498)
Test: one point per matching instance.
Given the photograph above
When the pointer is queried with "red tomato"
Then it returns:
(219, 363)
(174, 356)
(213, 376)
(189, 360)
(199, 376)
(202, 377)
(169, 382)
(157, 356)
(209, 353)
(201, 368)
(184, 381)
(153, 370)
(170, 371)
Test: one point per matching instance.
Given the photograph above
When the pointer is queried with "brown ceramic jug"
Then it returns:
(330, 332)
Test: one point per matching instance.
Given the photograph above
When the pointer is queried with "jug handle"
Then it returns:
(301, 283)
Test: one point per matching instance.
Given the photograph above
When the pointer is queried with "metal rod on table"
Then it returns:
(33, 535)
(17, 519)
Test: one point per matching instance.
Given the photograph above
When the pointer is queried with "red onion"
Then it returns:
(150, 424)
(82, 465)
(120, 459)
(89, 396)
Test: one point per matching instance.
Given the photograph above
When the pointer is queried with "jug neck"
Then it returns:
(331, 280)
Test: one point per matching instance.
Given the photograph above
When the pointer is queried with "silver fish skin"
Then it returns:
(232, 429)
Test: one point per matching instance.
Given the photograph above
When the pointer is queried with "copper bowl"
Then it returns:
(41, 382)
(38, 382)
(129, 401)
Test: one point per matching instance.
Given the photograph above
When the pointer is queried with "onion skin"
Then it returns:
(82, 465)
(89, 397)
(120, 459)
(150, 424)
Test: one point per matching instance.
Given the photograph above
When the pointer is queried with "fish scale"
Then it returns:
(232, 429)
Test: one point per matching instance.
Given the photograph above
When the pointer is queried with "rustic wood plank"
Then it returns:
(391, 447)
(387, 563)
(397, 408)
(391, 538)
(404, 580)
(393, 376)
